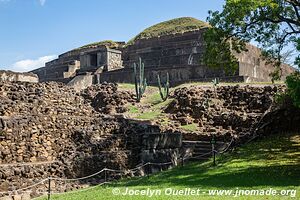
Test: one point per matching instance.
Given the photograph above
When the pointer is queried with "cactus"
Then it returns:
(139, 80)
(164, 93)
(215, 82)
(205, 103)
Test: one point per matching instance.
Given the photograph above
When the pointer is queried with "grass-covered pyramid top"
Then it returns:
(173, 26)
(109, 43)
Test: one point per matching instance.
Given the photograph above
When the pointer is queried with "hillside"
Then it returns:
(268, 163)
(173, 26)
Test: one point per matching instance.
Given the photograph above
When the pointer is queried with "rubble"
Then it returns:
(55, 130)
(106, 98)
(228, 110)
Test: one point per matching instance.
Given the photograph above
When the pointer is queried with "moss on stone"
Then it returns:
(109, 43)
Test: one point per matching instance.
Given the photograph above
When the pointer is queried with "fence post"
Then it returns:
(214, 157)
(213, 142)
(49, 188)
(105, 175)
(148, 170)
(182, 161)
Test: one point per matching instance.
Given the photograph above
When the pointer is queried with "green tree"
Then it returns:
(272, 24)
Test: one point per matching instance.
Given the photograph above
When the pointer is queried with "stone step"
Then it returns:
(203, 146)
(200, 142)
(202, 150)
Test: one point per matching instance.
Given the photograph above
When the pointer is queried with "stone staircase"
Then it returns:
(201, 150)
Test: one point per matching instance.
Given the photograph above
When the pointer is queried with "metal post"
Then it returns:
(214, 157)
(49, 188)
(213, 142)
(148, 170)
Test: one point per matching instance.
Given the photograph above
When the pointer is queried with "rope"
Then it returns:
(81, 178)
(199, 156)
(82, 190)
(121, 171)
(28, 187)
(223, 151)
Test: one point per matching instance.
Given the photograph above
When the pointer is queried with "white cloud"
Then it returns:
(42, 2)
(29, 64)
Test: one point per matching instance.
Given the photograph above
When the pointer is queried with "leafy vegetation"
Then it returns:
(177, 25)
(270, 163)
(293, 85)
(273, 24)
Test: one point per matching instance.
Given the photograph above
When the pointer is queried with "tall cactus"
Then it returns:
(164, 92)
(139, 80)
(215, 83)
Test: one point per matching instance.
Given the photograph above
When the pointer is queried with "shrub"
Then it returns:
(293, 88)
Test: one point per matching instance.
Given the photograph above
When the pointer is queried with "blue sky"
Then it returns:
(35, 31)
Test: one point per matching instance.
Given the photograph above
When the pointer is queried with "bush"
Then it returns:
(293, 88)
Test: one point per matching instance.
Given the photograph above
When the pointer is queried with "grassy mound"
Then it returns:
(269, 163)
(109, 43)
(173, 26)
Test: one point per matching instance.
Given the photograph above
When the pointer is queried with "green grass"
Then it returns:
(268, 163)
(133, 109)
(149, 115)
(190, 127)
(126, 86)
(173, 26)
(153, 98)
(108, 43)
(151, 105)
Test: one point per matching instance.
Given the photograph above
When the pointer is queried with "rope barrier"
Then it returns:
(223, 151)
(113, 170)
(26, 188)
(77, 179)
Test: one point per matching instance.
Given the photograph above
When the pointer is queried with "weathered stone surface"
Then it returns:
(16, 76)
(55, 132)
(106, 98)
(161, 141)
(47, 129)
(230, 110)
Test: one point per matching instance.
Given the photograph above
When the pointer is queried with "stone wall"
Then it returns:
(166, 51)
(60, 72)
(81, 82)
(178, 75)
(253, 66)
(161, 148)
(108, 59)
(15, 76)
(47, 129)
(185, 50)
(229, 111)
(178, 54)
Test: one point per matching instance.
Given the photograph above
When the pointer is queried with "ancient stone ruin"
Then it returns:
(18, 77)
(177, 52)
(51, 129)
(47, 129)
